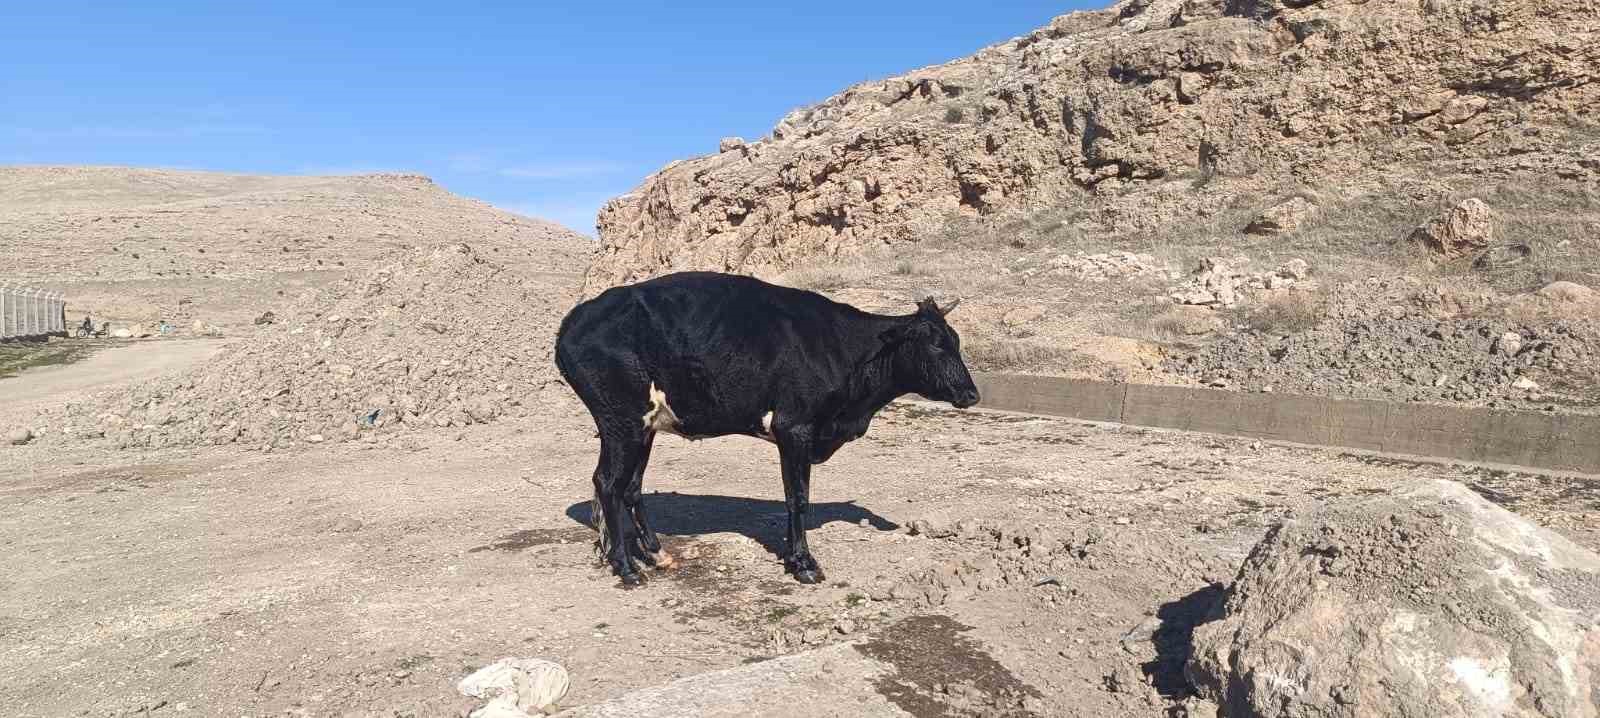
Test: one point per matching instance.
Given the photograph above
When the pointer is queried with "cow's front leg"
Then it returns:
(794, 452)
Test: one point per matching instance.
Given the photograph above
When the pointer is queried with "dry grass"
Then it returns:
(1559, 222)
(1015, 355)
(1045, 231)
(1288, 313)
(829, 276)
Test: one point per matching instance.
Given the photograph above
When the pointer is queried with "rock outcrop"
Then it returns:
(1465, 228)
(1134, 118)
(1427, 602)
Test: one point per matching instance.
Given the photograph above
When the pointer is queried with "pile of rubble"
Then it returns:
(1222, 282)
(1105, 266)
(1378, 340)
(434, 337)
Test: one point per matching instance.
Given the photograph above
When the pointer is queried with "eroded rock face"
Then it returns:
(1144, 115)
(1428, 602)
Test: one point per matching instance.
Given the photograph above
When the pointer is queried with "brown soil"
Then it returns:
(366, 578)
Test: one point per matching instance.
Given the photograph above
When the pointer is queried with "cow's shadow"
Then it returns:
(675, 514)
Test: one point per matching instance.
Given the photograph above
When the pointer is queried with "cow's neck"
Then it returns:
(869, 388)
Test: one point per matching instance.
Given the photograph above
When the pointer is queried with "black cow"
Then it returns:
(702, 354)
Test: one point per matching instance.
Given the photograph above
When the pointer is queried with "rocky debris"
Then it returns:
(1525, 384)
(516, 687)
(1223, 282)
(433, 337)
(1136, 118)
(18, 437)
(122, 333)
(1386, 340)
(1465, 228)
(266, 318)
(1216, 283)
(1286, 216)
(1508, 344)
(1429, 601)
(1105, 266)
(729, 144)
(1566, 292)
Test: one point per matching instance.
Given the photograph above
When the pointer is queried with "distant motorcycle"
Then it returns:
(85, 330)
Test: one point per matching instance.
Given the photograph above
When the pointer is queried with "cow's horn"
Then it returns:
(946, 309)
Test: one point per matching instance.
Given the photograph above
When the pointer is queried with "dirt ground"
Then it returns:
(367, 578)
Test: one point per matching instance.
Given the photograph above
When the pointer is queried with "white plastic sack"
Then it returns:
(515, 687)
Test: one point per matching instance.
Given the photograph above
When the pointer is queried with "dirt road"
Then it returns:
(115, 363)
(365, 579)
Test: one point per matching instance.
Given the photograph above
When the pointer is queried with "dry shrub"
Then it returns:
(1288, 313)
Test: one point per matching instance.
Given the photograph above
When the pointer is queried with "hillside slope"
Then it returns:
(138, 244)
(1141, 118)
(1375, 200)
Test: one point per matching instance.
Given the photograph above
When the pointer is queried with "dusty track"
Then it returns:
(113, 363)
(365, 579)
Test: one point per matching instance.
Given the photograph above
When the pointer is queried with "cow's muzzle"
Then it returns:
(965, 399)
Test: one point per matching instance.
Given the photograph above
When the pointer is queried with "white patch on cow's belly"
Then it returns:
(766, 429)
(660, 416)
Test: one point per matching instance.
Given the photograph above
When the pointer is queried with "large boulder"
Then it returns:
(1286, 216)
(1426, 602)
(1466, 227)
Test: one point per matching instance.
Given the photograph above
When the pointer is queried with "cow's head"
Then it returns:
(927, 357)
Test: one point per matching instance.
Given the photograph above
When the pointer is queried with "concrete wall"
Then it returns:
(1563, 442)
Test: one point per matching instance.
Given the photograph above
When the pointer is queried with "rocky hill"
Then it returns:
(141, 244)
(1141, 117)
(1150, 191)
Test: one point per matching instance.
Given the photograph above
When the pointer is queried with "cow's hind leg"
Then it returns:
(621, 448)
(648, 544)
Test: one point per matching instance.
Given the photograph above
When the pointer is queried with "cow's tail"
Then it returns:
(597, 519)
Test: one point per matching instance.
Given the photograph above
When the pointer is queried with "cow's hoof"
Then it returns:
(631, 580)
(809, 576)
(663, 561)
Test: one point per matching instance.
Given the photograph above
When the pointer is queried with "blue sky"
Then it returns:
(544, 108)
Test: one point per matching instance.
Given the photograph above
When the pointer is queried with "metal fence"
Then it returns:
(31, 312)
